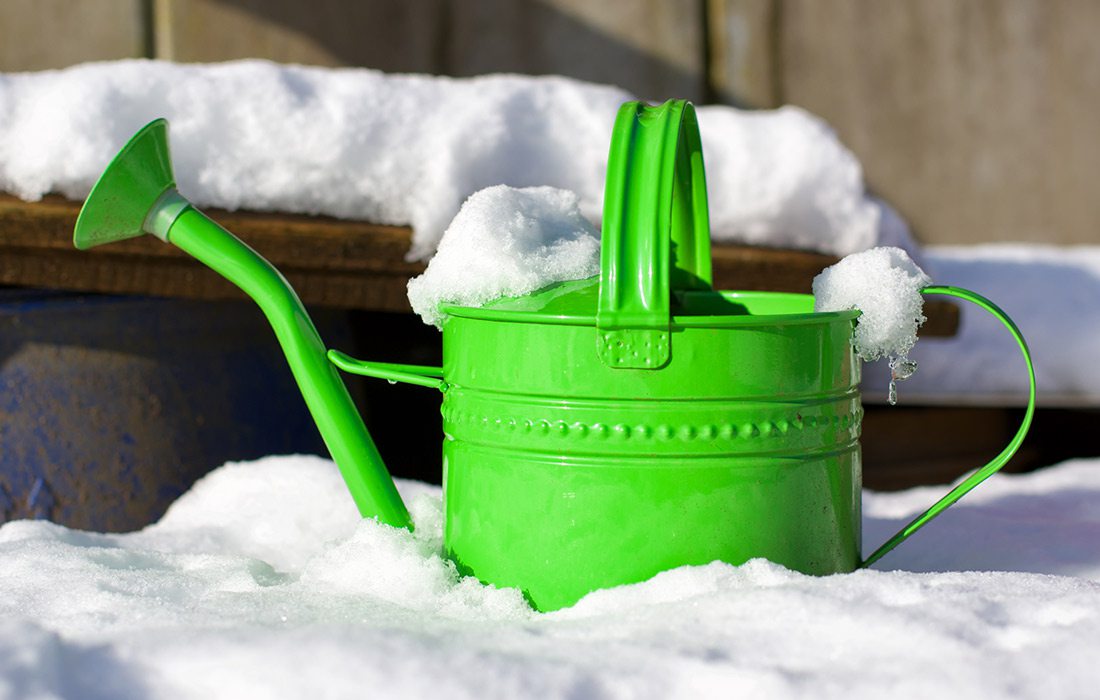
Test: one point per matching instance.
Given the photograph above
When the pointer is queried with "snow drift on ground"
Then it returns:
(408, 149)
(262, 582)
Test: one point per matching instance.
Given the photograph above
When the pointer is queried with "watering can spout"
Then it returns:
(128, 191)
(137, 194)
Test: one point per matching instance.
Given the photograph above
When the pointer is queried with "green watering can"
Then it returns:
(602, 430)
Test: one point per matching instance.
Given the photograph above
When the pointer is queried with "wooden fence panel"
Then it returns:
(43, 34)
(654, 48)
(743, 64)
(977, 118)
(974, 117)
(393, 36)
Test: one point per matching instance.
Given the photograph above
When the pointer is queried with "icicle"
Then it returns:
(901, 368)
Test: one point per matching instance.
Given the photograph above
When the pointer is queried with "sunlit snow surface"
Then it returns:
(262, 582)
(885, 285)
(408, 149)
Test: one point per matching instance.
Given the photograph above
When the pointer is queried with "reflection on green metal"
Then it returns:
(325, 393)
(431, 377)
(655, 230)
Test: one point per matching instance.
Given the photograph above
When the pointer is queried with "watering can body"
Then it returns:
(597, 431)
(603, 430)
(564, 474)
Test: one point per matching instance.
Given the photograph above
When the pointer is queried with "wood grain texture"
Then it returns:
(976, 119)
(743, 64)
(44, 34)
(653, 48)
(393, 36)
(330, 262)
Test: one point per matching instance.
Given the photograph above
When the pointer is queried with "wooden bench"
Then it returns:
(330, 262)
(361, 267)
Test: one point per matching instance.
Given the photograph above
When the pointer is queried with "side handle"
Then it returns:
(421, 375)
(997, 462)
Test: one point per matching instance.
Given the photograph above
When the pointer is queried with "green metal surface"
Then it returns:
(136, 195)
(655, 230)
(126, 192)
(420, 375)
(997, 462)
(563, 475)
(324, 391)
(601, 431)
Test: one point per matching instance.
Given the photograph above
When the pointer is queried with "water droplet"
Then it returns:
(901, 368)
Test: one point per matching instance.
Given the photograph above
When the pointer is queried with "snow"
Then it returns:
(401, 149)
(409, 149)
(507, 242)
(263, 582)
(885, 285)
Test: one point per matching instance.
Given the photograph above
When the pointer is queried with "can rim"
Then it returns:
(677, 320)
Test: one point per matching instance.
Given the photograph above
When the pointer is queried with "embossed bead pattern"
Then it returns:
(838, 423)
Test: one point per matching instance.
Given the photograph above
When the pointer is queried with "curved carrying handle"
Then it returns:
(997, 462)
(656, 231)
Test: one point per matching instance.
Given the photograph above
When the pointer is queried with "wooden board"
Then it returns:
(44, 34)
(742, 61)
(330, 262)
(392, 36)
(974, 118)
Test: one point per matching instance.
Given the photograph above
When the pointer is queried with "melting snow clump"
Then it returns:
(885, 285)
(507, 242)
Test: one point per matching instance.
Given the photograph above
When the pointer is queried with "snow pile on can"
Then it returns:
(507, 242)
(885, 285)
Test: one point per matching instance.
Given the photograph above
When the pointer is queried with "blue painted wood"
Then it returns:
(111, 407)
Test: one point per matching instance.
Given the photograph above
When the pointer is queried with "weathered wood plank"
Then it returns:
(743, 63)
(975, 119)
(654, 48)
(341, 264)
(393, 36)
(44, 34)
(330, 262)
(904, 446)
